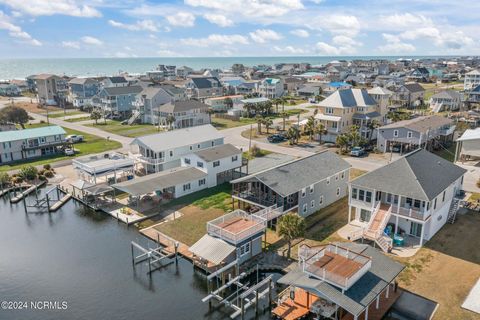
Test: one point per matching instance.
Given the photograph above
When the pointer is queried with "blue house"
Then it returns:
(82, 90)
(117, 100)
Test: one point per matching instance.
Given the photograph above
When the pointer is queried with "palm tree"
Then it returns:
(309, 127)
(170, 121)
(354, 136)
(268, 122)
(372, 125)
(291, 226)
(292, 135)
(284, 116)
(210, 111)
(342, 141)
(249, 107)
(276, 102)
(283, 100)
(259, 120)
(320, 130)
(267, 107)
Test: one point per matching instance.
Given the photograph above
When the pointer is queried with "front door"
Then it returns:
(416, 229)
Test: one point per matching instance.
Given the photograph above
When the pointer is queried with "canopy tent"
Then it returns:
(212, 249)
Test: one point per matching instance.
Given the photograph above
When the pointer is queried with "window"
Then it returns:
(321, 200)
(304, 192)
(171, 153)
(234, 158)
(361, 195)
(443, 196)
(334, 125)
(338, 191)
(213, 143)
(435, 204)
(312, 203)
(199, 164)
(343, 175)
(216, 163)
(191, 148)
(328, 180)
(186, 187)
(198, 146)
(244, 249)
(409, 134)
(328, 110)
(416, 203)
(186, 160)
(368, 196)
(312, 188)
(395, 133)
(201, 182)
(304, 208)
(336, 177)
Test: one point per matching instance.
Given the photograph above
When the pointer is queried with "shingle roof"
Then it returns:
(82, 81)
(419, 175)
(348, 98)
(420, 124)
(118, 79)
(205, 82)
(383, 271)
(447, 94)
(218, 152)
(116, 91)
(14, 135)
(182, 106)
(150, 92)
(176, 138)
(414, 87)
(293, 176)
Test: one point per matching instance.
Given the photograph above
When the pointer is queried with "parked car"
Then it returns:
(69, 152)
(74, 138)
(329, 145)
(396, 148)
(357, 152)
(274, 138)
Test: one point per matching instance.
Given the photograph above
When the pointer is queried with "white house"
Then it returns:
(448, 100)
(271, 88)
(472, 79)
(415, 195)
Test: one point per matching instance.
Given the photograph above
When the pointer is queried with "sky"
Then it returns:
(209, 28)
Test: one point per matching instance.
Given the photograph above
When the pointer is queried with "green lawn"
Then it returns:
(62, 114)
(132, 131)
(78, 119)
(447, 154)
(221, 123)
(91, 144)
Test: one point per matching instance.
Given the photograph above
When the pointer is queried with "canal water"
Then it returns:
(80, 262)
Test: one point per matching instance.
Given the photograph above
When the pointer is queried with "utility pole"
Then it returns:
(250, 139)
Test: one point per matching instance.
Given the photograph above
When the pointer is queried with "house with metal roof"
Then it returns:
(116, 81)
(164, 150)
(203, 87)
(339, 281)
(468, 145)
(347, 107)
(407, 135)
(305, 185)
(17, 145)
(405, 202)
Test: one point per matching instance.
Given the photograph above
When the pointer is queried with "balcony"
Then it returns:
(447, 131)
(411, 213)
(150, 161)
(43, 145)
(254, 198)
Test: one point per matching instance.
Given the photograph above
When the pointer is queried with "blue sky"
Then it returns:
(138, 28)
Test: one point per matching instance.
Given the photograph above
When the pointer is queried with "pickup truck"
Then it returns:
(74, 138)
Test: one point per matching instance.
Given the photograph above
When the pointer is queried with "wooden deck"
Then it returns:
(336, 264)
(297, 308)
(377, 220)
(384, 305)
(237, 225)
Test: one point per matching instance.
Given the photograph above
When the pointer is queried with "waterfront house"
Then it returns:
(50, 88)
(305, 185)
(448, 100)
(81, 91)
(407, 135)
(347, 107)
(188, 113)
(203, 87)
(118, 100)
(16, 145)
(183, 72)
(346, 281)
(9, 90)
(471, 80)
(164, 150)
(271, 88)
(162, 72)
(118, 81)
(409, 95)
(415, 195)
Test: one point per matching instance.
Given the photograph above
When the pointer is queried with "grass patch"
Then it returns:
(221, 123)
(216, 197)
(132, 131)
(91, 144)
(447, 154)
(260, 153)
(62, 114)
(78, 119)
(355, 173)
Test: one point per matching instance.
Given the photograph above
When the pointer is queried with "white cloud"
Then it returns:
(142, 25)
(395, 45)
(16, 32)
(71, 44)
(91, 41)
(216, 39)
(403, 21)
(302, 33)
(218, 19)
(345, 41)
(341, 24)
(290, 50)
(181, 19)
(52, 7)
(265, 35)
(167, 53)
(341, 45)
(326, 49)
(124, 55)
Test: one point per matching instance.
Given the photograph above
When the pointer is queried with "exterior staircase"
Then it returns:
(376, 226)
(437, 107)
(134, 117)
(452, 212)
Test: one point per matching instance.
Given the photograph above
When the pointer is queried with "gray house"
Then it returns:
(411, 134)
(184, 114)
(204, 87)
(82, 90)
(305, 185)
(147, 104)
(117, 100)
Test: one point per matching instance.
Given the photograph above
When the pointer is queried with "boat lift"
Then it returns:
(51, 201)
(243, 297)
(153, 256)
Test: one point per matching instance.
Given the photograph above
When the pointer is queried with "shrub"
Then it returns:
(28, 173)
(4, 179)
(48, 174)
(47, 166)
(478, 183)
(17, 180)
(42, 177)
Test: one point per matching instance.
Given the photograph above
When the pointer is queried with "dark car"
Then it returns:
(274, 138)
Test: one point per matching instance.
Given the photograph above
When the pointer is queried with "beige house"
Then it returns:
(347, 107)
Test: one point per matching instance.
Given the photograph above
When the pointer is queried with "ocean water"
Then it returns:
(21, 68)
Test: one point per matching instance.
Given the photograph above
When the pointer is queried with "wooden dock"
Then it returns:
(57, 205)
(25, 193)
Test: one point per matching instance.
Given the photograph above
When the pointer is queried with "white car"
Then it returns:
(74, 138)
(69, 152)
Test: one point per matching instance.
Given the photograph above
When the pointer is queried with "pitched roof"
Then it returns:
(116, 91)
(14, 135)
(361, 294)
(212, 249)
(347, 98)
(177, 138)
(470, 134)
(82, 81)
(447, 94)
(218, 152)
(420, 124)
(182, 106)
(379, 90)
(150, 92)
(293, 176)
(205, 82)
(419, 175)
(117, 79)
(414, 87)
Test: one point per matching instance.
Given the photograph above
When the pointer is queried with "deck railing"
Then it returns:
(410, 213)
